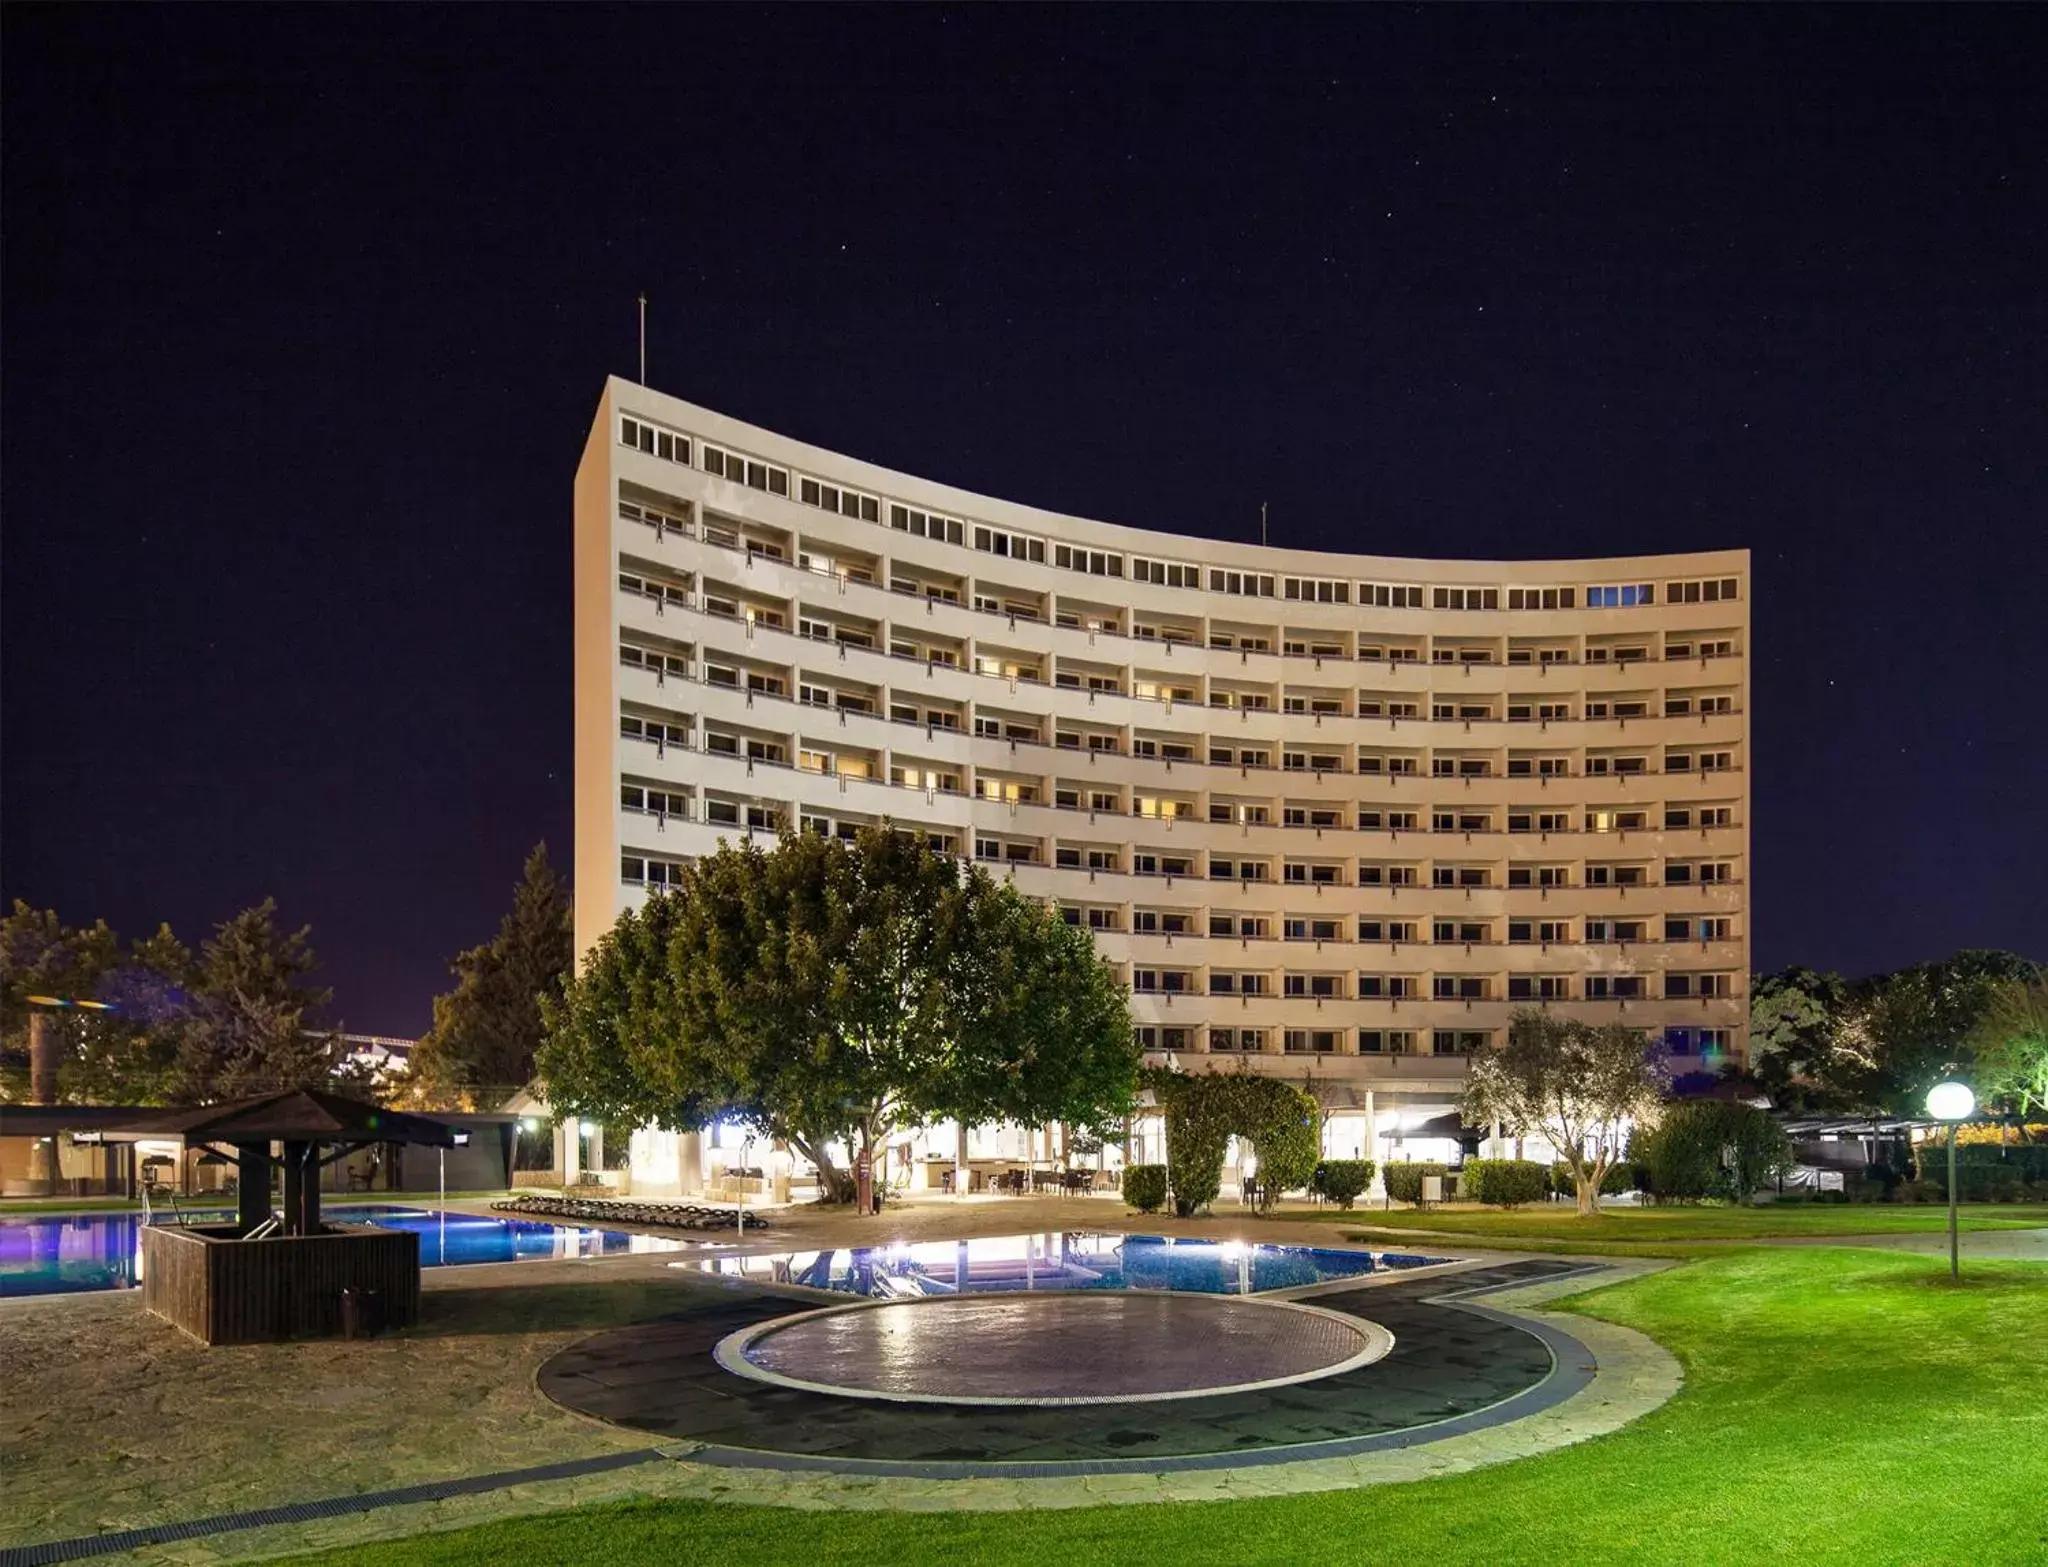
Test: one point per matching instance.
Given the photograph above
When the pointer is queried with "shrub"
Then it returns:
(1404, 1181)
(1709, 1148)
(1341, 1180)
(1503, 1183)
(1145, 1187)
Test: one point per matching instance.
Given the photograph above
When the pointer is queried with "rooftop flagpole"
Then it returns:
(643, 339)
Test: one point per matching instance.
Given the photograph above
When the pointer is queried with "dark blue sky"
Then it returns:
(306, 312)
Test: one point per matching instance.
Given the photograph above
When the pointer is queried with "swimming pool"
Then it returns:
(1057, 1261)
(71, 1253)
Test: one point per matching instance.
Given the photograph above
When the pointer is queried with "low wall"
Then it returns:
(227, 1291)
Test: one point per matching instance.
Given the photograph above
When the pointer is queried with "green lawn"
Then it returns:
(1841, 1405)
(1646, 1226)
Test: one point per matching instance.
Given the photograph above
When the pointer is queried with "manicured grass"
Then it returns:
(1841, 1405)
(1638, 1226)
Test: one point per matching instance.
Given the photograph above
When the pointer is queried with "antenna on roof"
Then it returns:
(1262, 524)
(643, 339)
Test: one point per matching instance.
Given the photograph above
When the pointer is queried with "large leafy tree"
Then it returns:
(2010, 1042)
(1797, 1046)
(1578, 1084)
(488, 1029)
(827, 992)
(1915, 1024)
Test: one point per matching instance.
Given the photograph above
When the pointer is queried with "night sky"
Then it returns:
(307, 312)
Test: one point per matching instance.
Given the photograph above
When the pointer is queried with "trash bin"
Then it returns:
(360, 1313)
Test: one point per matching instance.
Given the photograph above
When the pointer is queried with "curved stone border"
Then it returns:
(731, 1353)
(1627, 1376)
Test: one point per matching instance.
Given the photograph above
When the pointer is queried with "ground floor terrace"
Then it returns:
(1832, 1399)
(731, 1162)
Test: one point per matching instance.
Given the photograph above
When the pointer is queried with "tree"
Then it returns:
(124, 1054)
(2010, 1042)
(827, 993)
(246, 1029)
(1577, 1084)
(1914, 1025)
(488, 1029)
(1796, 1040)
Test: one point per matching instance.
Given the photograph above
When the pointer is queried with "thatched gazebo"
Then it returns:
(285, 1274)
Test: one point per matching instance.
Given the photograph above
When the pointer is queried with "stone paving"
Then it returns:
(112, 1419)
(660, 1379)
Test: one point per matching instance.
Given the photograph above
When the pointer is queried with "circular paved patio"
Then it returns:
(1083, 1347)
(1457, 1367)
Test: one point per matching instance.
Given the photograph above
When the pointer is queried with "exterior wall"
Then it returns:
(1086, 730)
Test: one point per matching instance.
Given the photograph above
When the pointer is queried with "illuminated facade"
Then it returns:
(1330, 815)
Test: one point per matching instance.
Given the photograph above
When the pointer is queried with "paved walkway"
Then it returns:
(110, 1419)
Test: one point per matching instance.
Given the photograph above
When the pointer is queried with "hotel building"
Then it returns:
(1332, 816)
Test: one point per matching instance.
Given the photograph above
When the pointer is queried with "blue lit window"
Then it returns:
(1678, 1041)
(1626, 597)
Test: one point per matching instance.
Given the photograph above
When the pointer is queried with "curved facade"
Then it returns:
(1330, 814)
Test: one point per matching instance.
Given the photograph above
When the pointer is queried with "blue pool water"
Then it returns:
(65, 1253)
(1061, 1262)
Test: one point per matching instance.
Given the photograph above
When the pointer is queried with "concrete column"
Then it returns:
(960, 1172)
(1372, 1145)
(569, 1151)
(596, 1148)
(690, 1164)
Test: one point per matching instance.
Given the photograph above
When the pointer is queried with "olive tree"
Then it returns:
(828, 993)
(1577, 1084)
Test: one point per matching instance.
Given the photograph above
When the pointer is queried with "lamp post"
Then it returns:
(1951, 1102)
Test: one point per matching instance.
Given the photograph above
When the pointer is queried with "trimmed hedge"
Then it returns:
(1342, 1180)
(1503, 1183)
(1145, 1187)
(1404, 1181)
(1620, 1177)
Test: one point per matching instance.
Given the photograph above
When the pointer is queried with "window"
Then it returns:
(1614, 987)
(1315, 590)
(653, 440)
(1096, 563)
(1467, 598)
(1458, 1042)
(1542, 598)
(1013, 546)
(1714, 590)
(927, 525)
(1544, 931)
(830, 497)
(1460, 987)
(1244, 584)
(1539, 987)
(1388, 1041)
(1165, 573)
(1390, 931)
(736, 469)
(1626, 597)
(1389, 595)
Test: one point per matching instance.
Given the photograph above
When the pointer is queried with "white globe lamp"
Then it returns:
(1952, 1102)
